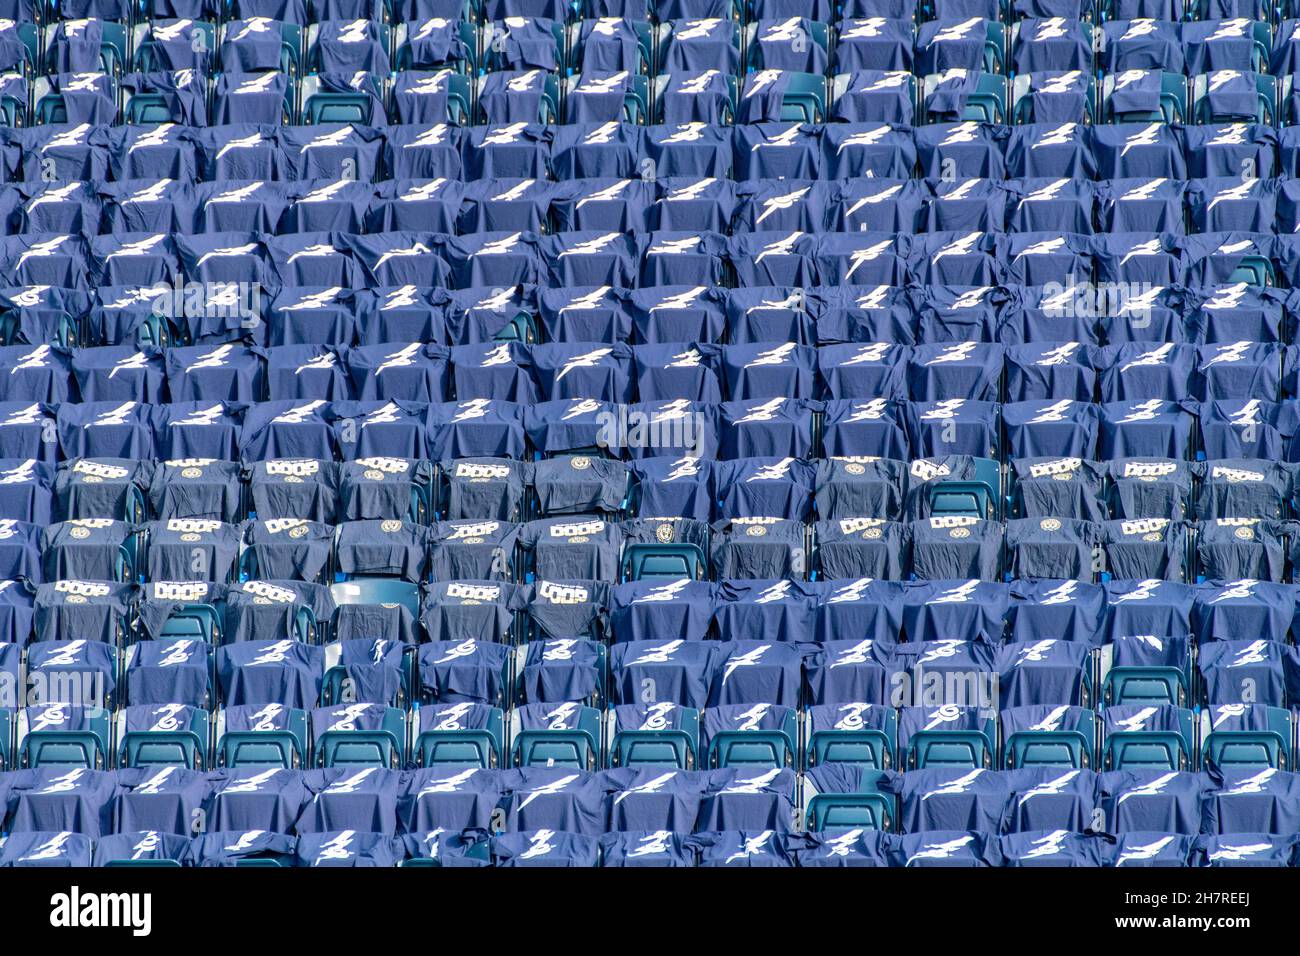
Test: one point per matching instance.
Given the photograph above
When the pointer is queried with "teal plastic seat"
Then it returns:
(29, 34)
(846, 811)
(952, 748)
(141, 864)
(266, 748)
(995, 47)
(1270, 747)
(477, 851)
(1053, 748)
(112, 48)
(669, 561)
(463, 748)
(988, 102)
(187, 747)
(13, 111)
(979, 498)
(657, 748)
(460, 99)
(1254, 270)
(805, 98)
(521, 327)
(755, 748)
(868, 748)
(291, 52)
(364, 748)
(1156, 750)
(868, 809)
(193, 622)
(87, 748)
(146, 109)
(578, 748)
(1145, 685)
(321, 106)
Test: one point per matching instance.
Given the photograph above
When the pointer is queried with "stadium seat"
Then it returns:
(1265, 110)
(112, 47)
(1150, 685)
(455, 745)
(1266, 747)
(285, 748)
(320, 105)
(645, 561)
(869, 808)
(635, 746)
(981, 498)
(579, 747)
(756, 748)
(953, 748)
(1022, 102)
(198, 622)
(85, 745)
(406, 58)
(870, 749)
(985, 103)
(1171, 749)
(186, 746)
(1173, 102)
(384, 746)
(1075, 747)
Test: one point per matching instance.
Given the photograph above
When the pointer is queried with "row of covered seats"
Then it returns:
(782, 40)
(637, 611)
(1148, 734)
(443, 96)
(129, 210)
(940, 435)
(99, 803)
(700, 373)
(661, 848)
(940, 547)
(187, 631)
(399, 11)
(867, 327)
(1040, 722)
(763, 150)
(672, 491)
(226, 273)
(300, 12)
